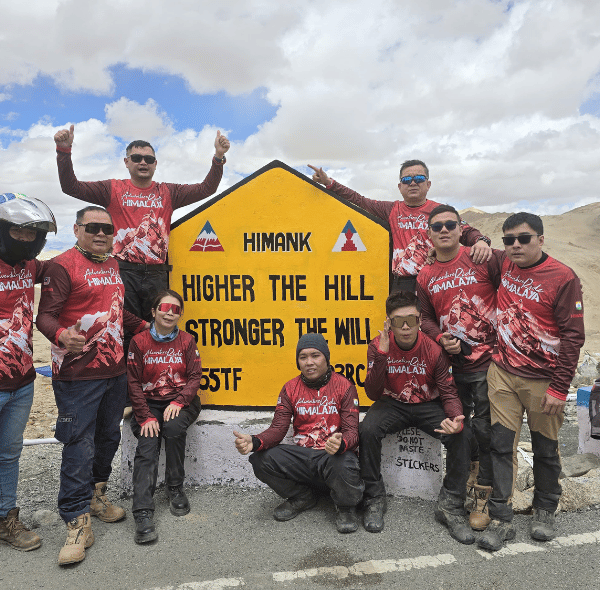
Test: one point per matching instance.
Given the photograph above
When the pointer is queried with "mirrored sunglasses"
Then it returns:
(108, 229)
(166, 307)
(449, 225)
(400, 320)
(137, 158)
(523, 239)
(419, 178)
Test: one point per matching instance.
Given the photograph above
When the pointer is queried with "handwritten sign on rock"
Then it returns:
(411, 464)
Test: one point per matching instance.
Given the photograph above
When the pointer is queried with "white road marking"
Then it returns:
(511, 549)
(368, 567)
(382, 566)
(219, 584)
(579, 539)
(558, 543)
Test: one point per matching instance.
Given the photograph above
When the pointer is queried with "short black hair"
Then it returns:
(82, 212)
(401, 299)
(443, 209)
(166, 293)
(410, 163)
(138, 143)
(533, 221)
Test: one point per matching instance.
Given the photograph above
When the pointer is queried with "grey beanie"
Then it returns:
(312, 340)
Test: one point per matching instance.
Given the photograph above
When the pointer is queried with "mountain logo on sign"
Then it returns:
(349, 240)
(207, 240)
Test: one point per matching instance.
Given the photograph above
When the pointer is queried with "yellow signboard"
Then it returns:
(270, 259)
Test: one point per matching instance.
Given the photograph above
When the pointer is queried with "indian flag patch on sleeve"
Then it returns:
(578, 306)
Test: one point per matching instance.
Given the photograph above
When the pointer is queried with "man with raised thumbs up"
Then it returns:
(81, 313)
(410, 380)
(141, 209)
(323, 408)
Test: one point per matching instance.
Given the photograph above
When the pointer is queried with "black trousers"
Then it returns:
(473, 392)
(388, 415)
(403, 284)
(141, 287)
(292, 471)
(147, 454)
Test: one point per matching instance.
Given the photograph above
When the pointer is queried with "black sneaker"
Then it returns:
(292, 507)
(346, 521)
(373, 515)
(496, 533)
(144, 526)
(542, 525)
(179, 505)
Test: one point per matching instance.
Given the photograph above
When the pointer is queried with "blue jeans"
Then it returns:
(14, 413)
(89, 414)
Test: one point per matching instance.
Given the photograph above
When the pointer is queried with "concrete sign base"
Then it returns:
(411, 460)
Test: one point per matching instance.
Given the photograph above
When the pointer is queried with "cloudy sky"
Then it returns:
(500, 98)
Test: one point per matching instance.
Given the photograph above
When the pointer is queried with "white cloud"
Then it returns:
(486, 92)
(129, 120)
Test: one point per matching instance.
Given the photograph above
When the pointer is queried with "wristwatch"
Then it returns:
(220, 160)
(484, 239)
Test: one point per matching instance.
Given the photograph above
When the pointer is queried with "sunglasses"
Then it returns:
(419, 178)
(137, 158)
(449, 225)
(400, 320)
(166, 307)
(523, 239)
(108, 229)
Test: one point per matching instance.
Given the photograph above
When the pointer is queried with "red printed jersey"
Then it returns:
(16, 322)
(169, 371)
(317, 414)
(77, 289)
(459, 297)
(408, 226)
(421, 374)
(540, 322)
(142, 217)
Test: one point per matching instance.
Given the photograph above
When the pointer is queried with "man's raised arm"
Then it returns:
(97, 193)
(380, 209)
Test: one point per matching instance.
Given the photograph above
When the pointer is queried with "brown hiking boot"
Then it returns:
(473, 472)
(471, 498)
(79, 538)
(14, 533)
(480, 517)
(102, 507)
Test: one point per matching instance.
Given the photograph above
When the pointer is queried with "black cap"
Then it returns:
(312, 340)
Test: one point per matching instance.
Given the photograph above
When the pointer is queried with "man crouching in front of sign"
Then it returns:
(410, 381)
(324, 407)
